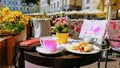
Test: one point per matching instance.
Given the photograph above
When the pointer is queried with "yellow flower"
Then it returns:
(6, 9)
(12, 20)
(15, 21)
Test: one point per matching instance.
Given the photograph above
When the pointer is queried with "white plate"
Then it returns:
(96, 49)
(43, 51)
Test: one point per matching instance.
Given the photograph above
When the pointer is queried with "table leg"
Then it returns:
(21, 59)
(106, 59)
(99, 63)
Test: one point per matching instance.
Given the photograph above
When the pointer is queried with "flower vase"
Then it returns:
(62, 37)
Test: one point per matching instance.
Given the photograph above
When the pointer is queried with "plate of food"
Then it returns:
(82, 48)
(42, 50)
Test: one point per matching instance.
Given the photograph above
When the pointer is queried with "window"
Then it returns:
(88, 1)
(33, 10)
(16, 3)
(5, 2)
(75, 2)
(12, 2)
(9, 2)
(62, 2)
(58, 4)
(51, 6)
(66, 2)
(10, 8)
(54, 5)
(21, 8)
(16, 8)
(13, 8)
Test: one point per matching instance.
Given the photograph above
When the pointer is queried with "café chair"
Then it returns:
(116, 49)
(75, 27)
(95, 29)
(113, 36)
(113, 31)
(42, 27)
(27, 45)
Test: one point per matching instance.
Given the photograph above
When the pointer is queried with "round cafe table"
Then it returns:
(64, 59)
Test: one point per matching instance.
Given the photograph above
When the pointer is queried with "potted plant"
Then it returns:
(61, 29)
(12, 22)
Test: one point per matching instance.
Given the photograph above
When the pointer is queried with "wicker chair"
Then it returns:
(41, 27)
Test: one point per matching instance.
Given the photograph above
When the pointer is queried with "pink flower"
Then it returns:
(65, 22)
(113, 24)
(61, 21)
(60, 24)
(57, 19)
(54, 21)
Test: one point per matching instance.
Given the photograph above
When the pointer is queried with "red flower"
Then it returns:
(72, 27)
(78, 29)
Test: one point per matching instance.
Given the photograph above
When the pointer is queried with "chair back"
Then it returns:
(94, 29)
(41, 27)
(75, 27)
(113, 31)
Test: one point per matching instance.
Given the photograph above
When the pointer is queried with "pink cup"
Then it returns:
(49, 43)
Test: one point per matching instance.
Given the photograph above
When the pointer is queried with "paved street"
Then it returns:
(112, 63)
